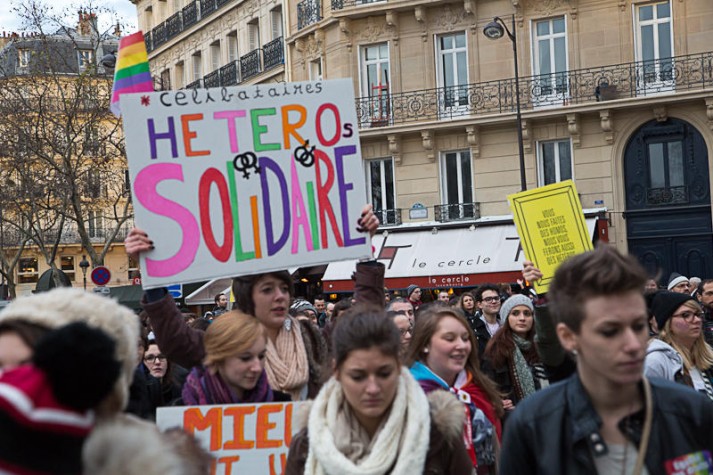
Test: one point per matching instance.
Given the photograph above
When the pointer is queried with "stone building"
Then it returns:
(615, 94)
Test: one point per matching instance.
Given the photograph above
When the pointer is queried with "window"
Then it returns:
(180, 75)
(134, 271)
(28, 270)
(667, 176)
(166, 80)
(215, 55)
(555, 162)
(315, 70)
(457, 185)
(550, 59)
(253, 35)
(85, 58)
(232, 46)
(654, 45)
(94, 184)
(67, 266)
(23, 58)
(276, 22)
(127, 182)
(197, 66)
(380, 189)
(95, 224)
(375, 81)
(92, 141)
(452, 68)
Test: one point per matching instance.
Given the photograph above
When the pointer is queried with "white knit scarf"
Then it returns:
(287, 366)
(401, 443)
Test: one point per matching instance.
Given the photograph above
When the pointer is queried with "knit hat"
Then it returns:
(301, 305)
(45, 406)
(514, 301)
(410, 289)
(61, 306)
(665, 303)
(675, 279)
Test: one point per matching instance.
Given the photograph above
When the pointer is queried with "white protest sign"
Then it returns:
(236, 181)
(243, 438)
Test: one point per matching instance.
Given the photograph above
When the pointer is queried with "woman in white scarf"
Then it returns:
(372, 418)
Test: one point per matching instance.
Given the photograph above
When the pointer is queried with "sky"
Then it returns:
(125, 12)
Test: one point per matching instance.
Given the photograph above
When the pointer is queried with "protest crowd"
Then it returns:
(596, 376)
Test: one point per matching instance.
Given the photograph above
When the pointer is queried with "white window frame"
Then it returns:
(383, 206)
(460, 102)
(657, 85)
(85, 59)
(197, 65)
(24, 57)
(276, 23)
(556, 158)
(179, 74)
(316, 73)
(31, 276)
(549, 93)
(232, 44)
(379, 103)
(95, 224)
(253, 31)
(462, 187)
(215, 58)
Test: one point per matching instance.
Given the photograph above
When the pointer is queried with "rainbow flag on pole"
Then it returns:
(131, 73)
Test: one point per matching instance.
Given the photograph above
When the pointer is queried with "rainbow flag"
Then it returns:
(131, 73)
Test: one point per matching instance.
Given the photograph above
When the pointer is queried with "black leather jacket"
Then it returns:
(556, 430)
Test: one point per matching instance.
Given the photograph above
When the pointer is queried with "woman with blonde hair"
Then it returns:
(233, 369)
(444, 356)
(680, 353)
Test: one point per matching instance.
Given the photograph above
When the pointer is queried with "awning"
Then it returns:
(127, 295)
(433, 258)
(205, 295)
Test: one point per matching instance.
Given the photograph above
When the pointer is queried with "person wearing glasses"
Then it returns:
(403, 323)
(680, 352)
(163, 378)
(487, 299)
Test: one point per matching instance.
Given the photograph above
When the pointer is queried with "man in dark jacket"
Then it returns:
(705, 297)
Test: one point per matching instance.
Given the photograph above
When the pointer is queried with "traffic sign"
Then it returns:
(176, 290)
(102, 290)
(101, 275)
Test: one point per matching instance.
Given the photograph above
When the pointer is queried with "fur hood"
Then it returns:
(447, 414)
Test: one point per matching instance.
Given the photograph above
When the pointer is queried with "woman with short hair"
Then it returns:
(371, 417)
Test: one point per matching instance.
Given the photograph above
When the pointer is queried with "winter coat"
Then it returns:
(662, 361)
(556, 430)
(446, 453)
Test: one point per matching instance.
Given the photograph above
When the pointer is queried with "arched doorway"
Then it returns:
(668, 204)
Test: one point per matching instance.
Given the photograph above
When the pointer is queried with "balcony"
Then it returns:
(273, 53)
(456, 212)
(229, 74)
(308, 13)
(212, 79)
(190, 14)
(174, 25)
(194, 85)
(160, 35)
(208, 7)
(149, 42)
(389, 217)
(340, 4)
(250, 64)
(620, 81)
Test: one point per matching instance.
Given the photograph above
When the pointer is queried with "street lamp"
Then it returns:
(84, 265)
(495, 30)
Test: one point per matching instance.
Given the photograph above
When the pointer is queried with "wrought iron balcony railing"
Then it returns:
(207, 7)
(194, 85)
(308, 13)
(628, 80)
(190, 14)
(148, 39)
(674, 195)
(390, 217)
(250, 64)
(160, 35)
(212, 79)
(174, 25)
(456, 212)
(229, 74)
(340, 4)
(273, 53)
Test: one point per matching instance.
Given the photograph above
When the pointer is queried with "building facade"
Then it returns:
(615, 94)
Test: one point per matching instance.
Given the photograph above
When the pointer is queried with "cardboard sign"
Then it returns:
(551, 226)
(236, 181)
(243, 438)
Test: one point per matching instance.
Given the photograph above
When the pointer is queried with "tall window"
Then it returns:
(550, 54)
(232, 46)
(95, 224)
(666, 171)
(197, 66)
(654, 45)
(67, 266)
(253, 35)
(375, 80)
(555, 161)
(23, 58)
(85, 58)
(276, 22)
(315, 70)
(180, 75)
(166, 80)
(95, 187)
(28, 270)
(457, 185)
(380, 189)
(214, 55)
(452, 58)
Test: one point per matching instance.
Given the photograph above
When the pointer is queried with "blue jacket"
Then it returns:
(556, 430)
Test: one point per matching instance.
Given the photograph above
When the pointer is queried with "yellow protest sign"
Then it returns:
(551, 226)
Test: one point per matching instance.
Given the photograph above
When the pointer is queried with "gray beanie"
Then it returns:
(514, 301)
(410, 289)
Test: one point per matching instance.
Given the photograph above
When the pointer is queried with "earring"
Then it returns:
(574, 352)
(425, 350)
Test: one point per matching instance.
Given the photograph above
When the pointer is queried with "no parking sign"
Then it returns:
(101, 275)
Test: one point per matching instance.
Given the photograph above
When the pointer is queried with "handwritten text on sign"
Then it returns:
(243, 438)
(235, 181)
